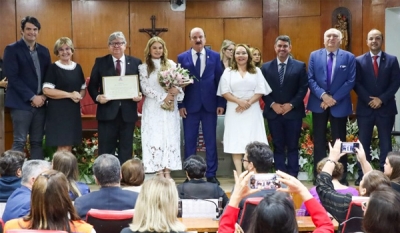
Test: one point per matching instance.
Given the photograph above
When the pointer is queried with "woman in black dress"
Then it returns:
(64, 86)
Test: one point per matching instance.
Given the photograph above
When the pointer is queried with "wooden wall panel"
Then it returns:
(53, 15)
(291, 8)
(140, 13)
(373, 15)
(244, 31)
(270, 28)
(224, 9)
(86, 58)
(94, 21)
(302, 32)
(8, 24)
(212, 28)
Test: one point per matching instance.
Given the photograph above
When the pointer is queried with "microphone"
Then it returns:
(341, 224)
(218, 208)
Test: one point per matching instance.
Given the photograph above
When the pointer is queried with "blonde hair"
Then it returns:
(147, 56)
(225, 45)
(156, 208)
(252, 50)
(63, 41)
(251, 68)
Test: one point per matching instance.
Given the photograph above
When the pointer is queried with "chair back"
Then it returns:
(247, 213)
(33, 231)
(88, 107)
(354, 217)
(109, 221)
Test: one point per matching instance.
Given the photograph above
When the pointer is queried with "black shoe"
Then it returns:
(213, 180)
(357, 182)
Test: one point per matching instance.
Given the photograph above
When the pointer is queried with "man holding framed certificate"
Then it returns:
(114, 88)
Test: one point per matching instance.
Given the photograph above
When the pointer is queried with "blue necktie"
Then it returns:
(281, 72)
(198, 64)
(329, 72)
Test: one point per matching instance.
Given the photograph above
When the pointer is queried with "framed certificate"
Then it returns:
(121, 87)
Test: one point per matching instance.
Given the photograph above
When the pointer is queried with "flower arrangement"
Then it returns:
(306, 152)
(174, 77)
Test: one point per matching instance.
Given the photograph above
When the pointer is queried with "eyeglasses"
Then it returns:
(244, 160)
(364, 205)
(116, 44)
(230, 50)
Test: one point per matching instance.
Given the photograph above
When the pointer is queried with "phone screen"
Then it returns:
(264, 181)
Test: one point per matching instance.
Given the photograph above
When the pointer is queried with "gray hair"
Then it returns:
(33, 168)
(116, 35)
(107, 170)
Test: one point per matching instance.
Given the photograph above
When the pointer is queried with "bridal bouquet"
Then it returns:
(174, 77)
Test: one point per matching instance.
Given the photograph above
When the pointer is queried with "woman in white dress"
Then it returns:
(242, 86)
(160, 128)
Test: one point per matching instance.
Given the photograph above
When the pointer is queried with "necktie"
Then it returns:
(198, 64)
(329, 72)
(281, 72)
(376, 68)
(118, 67)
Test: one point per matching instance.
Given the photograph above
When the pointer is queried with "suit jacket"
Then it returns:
(343, 81)
(104, 66)
(384, 86)
(107, 198)
(293, 89)
(21, 73)
(203, 92)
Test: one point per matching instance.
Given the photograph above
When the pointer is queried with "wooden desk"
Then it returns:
(305, 223)
(200, 224)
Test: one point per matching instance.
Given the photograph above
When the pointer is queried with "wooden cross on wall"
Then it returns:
(153, 31)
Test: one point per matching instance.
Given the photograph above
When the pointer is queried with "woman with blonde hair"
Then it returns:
(156, 208)
(226, 53)
(160, 128)
(66, 163)
(257, 57)
(51, 207)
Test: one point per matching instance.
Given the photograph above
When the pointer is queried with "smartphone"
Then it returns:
(348, 147)
(264, 181)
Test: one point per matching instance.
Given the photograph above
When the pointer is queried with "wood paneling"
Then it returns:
(373, 15)
(224, 9)
(270, 28)
(8, 24)
(301, 31)
(86, 58)
(212, 28)
(244, 31)
(94, 21)
(291, 8)
(140, 14)
(53, 15)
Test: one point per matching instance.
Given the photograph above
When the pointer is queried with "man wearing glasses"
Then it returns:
(116, 118)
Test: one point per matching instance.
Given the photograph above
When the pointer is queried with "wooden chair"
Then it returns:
(109, 221)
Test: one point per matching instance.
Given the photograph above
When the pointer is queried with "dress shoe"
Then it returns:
(213, 180)
(357, 182)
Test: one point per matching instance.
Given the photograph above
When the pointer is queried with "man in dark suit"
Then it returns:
(107, 173)
(25, 65)
(331, 77)
(284, 107)
(201, 103)
(378, 79)
(116, 118)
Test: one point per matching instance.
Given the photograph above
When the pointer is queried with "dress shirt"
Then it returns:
(122, 63)
(202, 61)
(378, 60)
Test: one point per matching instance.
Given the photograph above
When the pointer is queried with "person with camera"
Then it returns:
(268, 216)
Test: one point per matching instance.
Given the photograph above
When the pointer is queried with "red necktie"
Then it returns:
(118, 67)
(376, 68)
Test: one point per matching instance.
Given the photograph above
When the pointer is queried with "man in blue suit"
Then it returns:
(378, 79)
(201, 103)
(284, 107)
(25, 65)
(331, 77)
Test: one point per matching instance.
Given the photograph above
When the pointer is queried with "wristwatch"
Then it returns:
(291, 105)
(330, 160)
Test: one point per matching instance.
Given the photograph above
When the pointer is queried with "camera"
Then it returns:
(348, 147)
(264, 181)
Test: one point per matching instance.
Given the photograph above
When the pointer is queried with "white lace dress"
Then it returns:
(160, 128)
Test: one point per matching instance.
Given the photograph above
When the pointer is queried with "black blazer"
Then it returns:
(104, 66)
(293, 89)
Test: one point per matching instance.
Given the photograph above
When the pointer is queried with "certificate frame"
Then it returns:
(121, 87)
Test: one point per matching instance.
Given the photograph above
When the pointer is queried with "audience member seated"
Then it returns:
(336, 176)
(19, 203)
(335, 203)
(381, 212)
(258, 158)
(11, 162)
(157, 208)
(275, 213)
(132, 175)
(197, 188)
(107, 174)
(65, 162)
(392, 169)
(51, 207)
